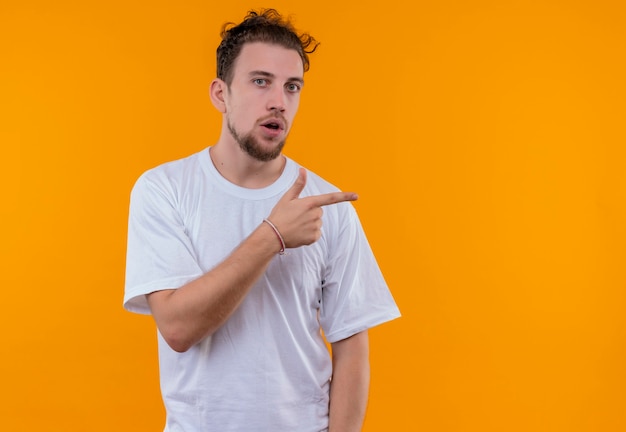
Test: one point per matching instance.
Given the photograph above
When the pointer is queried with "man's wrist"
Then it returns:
(278, 235)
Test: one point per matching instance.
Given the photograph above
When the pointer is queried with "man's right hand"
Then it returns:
(299, 220)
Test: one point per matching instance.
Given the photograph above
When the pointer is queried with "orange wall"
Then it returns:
(486, 139)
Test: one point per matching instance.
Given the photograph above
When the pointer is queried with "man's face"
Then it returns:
(263, 98)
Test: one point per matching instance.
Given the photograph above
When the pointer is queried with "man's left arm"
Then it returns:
(350, 384)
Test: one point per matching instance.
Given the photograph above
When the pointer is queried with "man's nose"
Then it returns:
(276, 100)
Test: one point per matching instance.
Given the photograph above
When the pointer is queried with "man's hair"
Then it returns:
(268, 26)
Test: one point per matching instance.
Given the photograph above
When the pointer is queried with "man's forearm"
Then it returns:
(190, 313)
(350, 384)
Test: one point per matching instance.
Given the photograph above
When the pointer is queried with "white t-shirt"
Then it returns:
(267, 368)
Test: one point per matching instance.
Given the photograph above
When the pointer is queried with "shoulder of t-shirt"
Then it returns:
(171, 171)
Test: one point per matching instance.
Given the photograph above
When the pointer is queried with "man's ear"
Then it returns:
(217, 91)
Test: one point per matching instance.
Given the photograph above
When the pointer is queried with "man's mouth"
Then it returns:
(274, 124)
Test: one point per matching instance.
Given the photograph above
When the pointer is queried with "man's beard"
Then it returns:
(251, 146)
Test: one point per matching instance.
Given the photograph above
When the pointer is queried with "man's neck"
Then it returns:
(241, 169)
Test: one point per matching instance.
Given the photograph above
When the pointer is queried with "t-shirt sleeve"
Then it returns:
(159, 253)
(355, 296)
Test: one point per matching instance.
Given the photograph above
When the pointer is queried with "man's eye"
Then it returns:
(294, 88)
(260, 82)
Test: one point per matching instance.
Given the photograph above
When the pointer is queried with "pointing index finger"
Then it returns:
(333, 198)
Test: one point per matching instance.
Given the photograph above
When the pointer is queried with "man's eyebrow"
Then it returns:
(271, 75)
(261, 73)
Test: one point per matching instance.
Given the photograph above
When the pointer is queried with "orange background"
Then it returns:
(485, 138)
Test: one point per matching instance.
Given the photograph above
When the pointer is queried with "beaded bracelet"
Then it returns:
(280, 238)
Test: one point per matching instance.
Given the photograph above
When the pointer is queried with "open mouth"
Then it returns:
(274, 126)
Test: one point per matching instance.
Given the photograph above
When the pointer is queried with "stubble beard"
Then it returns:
(251, 146)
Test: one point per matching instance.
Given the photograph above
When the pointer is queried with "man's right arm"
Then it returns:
(186, 315)
(194, 311)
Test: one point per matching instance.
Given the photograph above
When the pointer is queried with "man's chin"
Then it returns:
(260, 152)
(264, 148)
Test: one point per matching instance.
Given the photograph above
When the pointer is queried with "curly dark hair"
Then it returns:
(266, 25)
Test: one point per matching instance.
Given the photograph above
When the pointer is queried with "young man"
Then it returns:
(243, 258)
